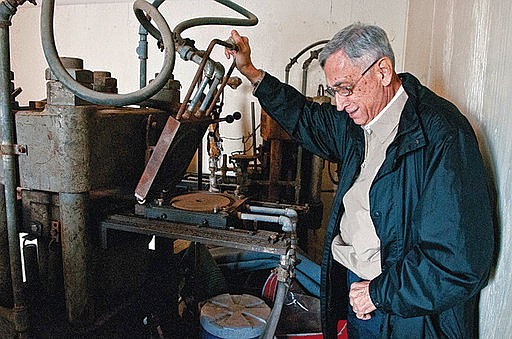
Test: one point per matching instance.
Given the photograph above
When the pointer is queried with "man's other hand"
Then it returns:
(359, 297)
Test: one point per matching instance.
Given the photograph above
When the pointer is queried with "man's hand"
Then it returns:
(360, 300)
(243, 57)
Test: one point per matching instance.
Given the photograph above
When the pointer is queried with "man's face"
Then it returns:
(367, 97)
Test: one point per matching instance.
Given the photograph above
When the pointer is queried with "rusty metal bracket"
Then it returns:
(13, 149)
(55, 231)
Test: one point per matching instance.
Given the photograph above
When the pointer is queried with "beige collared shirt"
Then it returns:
(358, 247)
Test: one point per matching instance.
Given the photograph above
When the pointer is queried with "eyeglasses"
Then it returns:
(349, 89)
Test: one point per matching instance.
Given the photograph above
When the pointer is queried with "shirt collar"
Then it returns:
(387, 120)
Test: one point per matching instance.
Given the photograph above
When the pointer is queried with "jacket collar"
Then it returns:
(410, 135)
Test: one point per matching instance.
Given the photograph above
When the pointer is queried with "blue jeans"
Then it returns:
(358, 328)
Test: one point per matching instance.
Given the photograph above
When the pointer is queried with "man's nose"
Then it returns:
(341, 102)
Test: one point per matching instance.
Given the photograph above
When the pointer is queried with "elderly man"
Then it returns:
(409, 243)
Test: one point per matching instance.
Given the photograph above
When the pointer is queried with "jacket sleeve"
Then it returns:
(319, 128)
(449, 241)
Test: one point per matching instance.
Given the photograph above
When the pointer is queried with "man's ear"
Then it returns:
(385, 70)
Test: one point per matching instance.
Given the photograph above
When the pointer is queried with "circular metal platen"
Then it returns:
(202, 202)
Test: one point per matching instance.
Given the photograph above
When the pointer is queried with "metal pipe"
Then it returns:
(288, 219)
(287, 224)
(187, 53)
(285, 272)
(5, 267)
(314, 55)
(9, 160)
(18, 315)
(73, 215)
(298, 176)
(317, 163)
(289, 212)
(190, 53)
(53, 59)
(295, 58)
(8, 156)
(221, 88)
(209, 96)
(197, 97)
(253, 126)
(304, 80)
(196, 78)
(198, 74)
(317, 167)
(142, 50)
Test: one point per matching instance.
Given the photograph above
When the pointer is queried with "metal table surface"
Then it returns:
(258, 241)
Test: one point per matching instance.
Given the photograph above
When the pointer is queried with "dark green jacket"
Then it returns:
(429, 203)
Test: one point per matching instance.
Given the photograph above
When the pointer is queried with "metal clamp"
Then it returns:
(13, 149)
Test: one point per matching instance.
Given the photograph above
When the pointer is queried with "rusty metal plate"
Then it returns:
(171, 156)
(202, 202)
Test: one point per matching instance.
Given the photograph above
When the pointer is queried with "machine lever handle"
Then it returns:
(229, 118)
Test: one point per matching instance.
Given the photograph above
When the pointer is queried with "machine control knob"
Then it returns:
(229, 118)
(233, 117)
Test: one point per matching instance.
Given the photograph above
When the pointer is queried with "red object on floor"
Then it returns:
(342, 329)
(268, 293)
(269, 288)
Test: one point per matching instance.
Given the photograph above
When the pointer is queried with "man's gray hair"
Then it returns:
(361, 43)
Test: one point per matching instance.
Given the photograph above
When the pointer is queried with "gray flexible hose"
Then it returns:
(273, 319)
(53, 59)
(250, 21)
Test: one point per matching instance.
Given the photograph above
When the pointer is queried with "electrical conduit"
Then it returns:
(18, 315)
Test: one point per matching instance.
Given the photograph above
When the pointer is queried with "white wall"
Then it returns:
(468, 46)
(104, 34)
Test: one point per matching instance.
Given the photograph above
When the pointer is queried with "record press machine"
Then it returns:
(93, 181)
